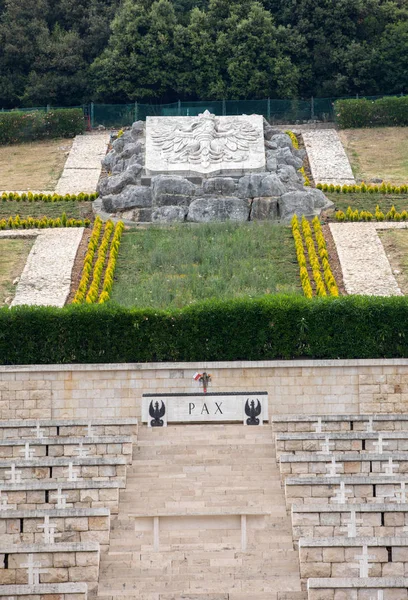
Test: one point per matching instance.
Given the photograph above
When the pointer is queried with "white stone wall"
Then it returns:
(294, 387)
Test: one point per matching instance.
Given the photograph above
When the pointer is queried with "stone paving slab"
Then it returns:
(83, 166)
(46, 278)
(328, 159)
(364, 263)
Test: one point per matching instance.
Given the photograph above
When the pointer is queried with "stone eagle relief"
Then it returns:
(205, 141)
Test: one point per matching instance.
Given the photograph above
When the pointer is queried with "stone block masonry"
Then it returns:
(115, 390)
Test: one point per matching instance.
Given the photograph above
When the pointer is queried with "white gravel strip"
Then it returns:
(328, 159)
(83, 167)
(46, 278)
(366, 268)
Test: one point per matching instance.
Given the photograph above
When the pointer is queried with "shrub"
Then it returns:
(30, 197)
(389, 111)
(30, 223)
(268, 328)
(18, 126)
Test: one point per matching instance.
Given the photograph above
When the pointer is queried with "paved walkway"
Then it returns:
(46, 278)
(365, 266)
(327, 157)
(83, 167)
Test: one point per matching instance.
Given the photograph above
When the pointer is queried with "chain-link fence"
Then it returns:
(276, 111)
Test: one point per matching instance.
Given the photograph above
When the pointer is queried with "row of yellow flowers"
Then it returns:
(110, 269)
(324, 255)
(301, 257)
(88, 261)
(295, 143)
(363, 188)
(45, 197)
(41, 223)
(93, 292)
(365, 215)
(302, 234)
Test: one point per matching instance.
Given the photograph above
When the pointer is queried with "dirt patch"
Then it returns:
(33, 166)
(78, 265)
(334, 260)
(395, 244)
(377, 153)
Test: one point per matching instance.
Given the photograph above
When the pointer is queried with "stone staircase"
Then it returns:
(202, 517)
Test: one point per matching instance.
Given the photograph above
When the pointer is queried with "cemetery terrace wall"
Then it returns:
(115, 390)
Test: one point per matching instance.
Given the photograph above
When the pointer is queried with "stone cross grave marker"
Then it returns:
(39, 434)
(49, 531)
(4, 503)
(34, 570)
(341, 494)
(389, 468)
(15, 475)
(363, 560)
(332, 468)
(318, 425)
(27, 451)
(72, 473)
(400, 494)
(370, 425)
(326, 446)
(61, 499)
(379, 445)
(90, 432)
(351, 526)
(81, 452)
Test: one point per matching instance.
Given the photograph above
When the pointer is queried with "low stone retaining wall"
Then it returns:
(115, 390)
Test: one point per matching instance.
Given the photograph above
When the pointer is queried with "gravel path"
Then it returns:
(46, 278)
(327, 157)
(83, 167)
(365, 266)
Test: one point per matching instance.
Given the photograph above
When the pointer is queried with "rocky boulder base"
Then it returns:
(274, 195)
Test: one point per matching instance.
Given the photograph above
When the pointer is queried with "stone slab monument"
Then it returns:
(206, 168)
(205, 146)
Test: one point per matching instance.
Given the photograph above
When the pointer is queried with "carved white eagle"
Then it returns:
(205, 141)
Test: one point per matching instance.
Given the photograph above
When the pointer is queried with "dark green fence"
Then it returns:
(276, 111)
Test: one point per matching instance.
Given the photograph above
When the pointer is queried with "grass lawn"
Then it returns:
(181, 265)
(33, 166)
(379, 152)
(13, 258)
(73, 209)
(395, 242)
(368, 201)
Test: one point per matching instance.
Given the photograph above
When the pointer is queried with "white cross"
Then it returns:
(389, 468)
(89, 430)
(401, 494)
(81, 451)
(61, 499)
(332, 468)
(49, 531)
(363, 560)
(370, 425)
(380, 444)
(4, 503)
(72, 473)
(28, 452)
(34, 570)
(352, 524)
(15, 476)
(326, 446)
(341, 494)
(38, 432)
(318, 426)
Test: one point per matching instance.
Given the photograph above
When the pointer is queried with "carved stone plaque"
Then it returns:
(204, 145)
(249, 408)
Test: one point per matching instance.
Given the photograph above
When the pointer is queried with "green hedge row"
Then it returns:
(389, 111)
(271, 327)
(17, 126)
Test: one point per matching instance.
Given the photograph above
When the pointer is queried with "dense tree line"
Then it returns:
(66, 52)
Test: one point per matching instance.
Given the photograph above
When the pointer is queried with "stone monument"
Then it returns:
(206, 168)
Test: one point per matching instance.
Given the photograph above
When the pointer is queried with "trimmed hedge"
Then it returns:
(389, 111)
(271, 327)
(17, 126)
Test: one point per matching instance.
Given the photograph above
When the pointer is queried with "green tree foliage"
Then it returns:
(72, 51)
